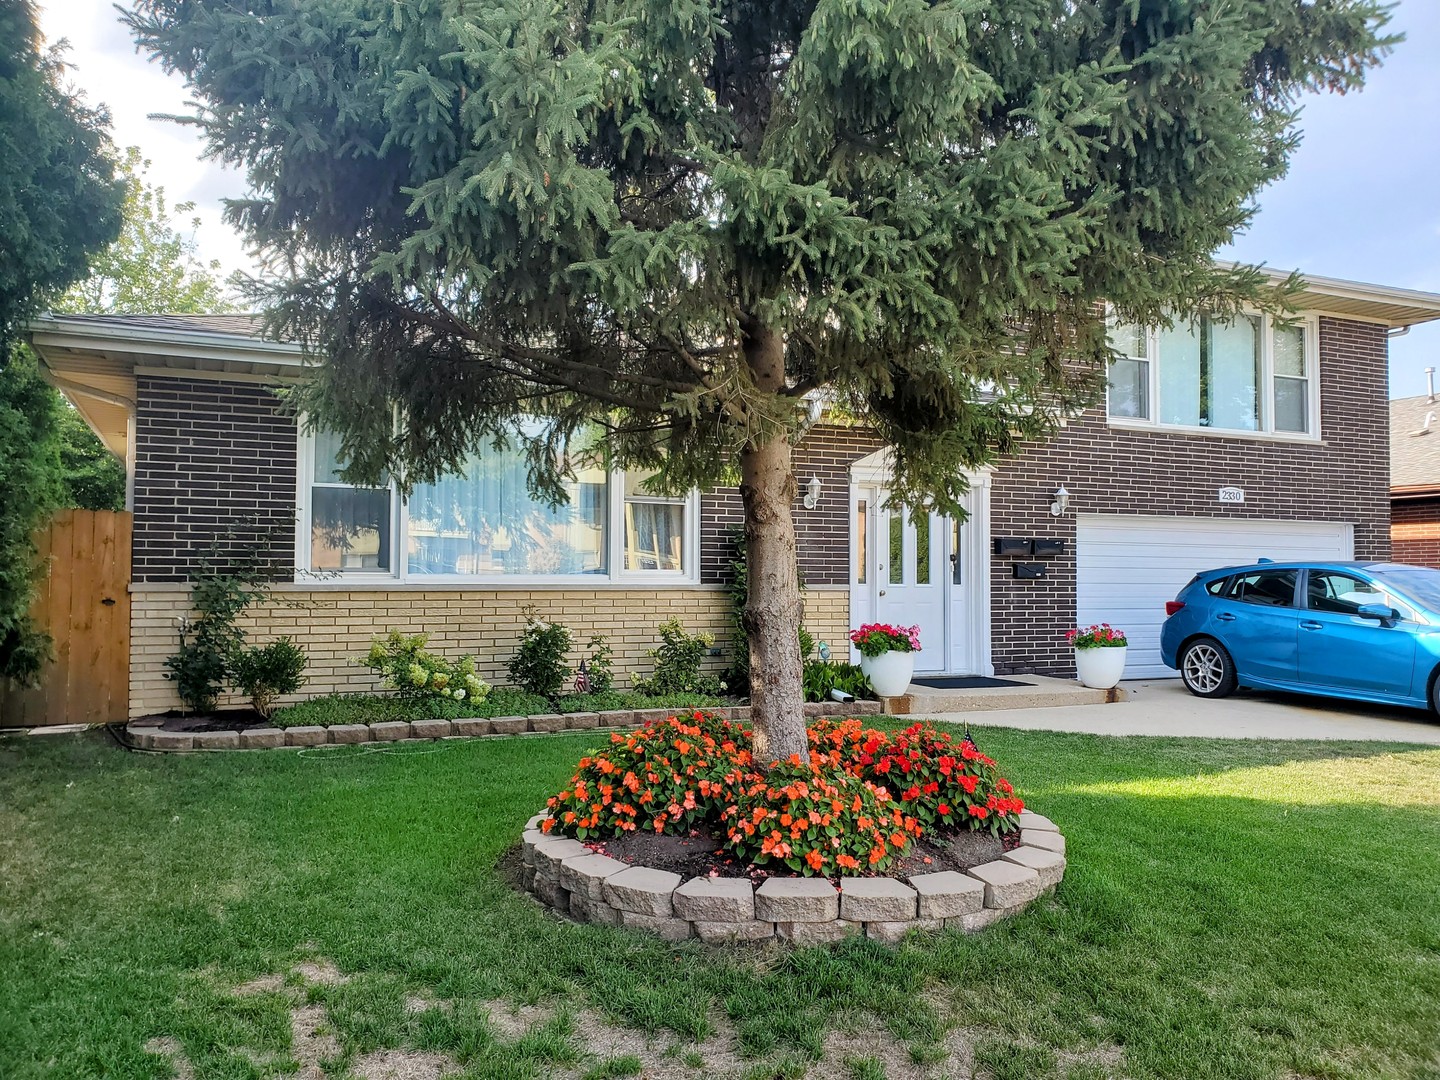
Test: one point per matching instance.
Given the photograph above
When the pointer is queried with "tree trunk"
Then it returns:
(773, 608)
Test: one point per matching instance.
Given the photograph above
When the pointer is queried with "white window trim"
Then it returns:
(1310, 327)
(400, 528)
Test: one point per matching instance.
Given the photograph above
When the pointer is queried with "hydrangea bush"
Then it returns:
(412, 671)
(857, 805)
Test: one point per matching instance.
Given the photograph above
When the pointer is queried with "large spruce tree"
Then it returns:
(681, 220)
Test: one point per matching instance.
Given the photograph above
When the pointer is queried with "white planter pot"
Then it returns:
(1100, 668)
(889, 673)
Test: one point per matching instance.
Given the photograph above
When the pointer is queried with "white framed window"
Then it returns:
(481, 524)
(344, 530)
(1252, 374)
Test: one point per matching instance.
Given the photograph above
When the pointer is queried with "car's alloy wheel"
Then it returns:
(1207, 669)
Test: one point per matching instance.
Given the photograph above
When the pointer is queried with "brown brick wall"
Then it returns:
(214, 471)
(1115, 471)
(212, 454)
(1415, 531)
(822, 535)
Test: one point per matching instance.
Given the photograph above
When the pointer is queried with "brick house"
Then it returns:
(1219, 443)
(1415, 480)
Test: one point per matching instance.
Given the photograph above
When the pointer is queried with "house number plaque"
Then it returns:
(1232, 495)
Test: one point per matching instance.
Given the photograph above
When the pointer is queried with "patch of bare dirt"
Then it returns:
(311, 1040)
(320, 973)
(663, 1057)
(265, 984)
(403, 1065)
(512, 1021)
(171, 1048)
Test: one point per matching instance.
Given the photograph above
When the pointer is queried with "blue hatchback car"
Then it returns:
(1366, 631)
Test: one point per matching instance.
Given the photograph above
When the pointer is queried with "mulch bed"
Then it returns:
(221, 720)
(701, 855)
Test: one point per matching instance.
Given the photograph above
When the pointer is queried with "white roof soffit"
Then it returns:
(1361, 300)
(67, 343)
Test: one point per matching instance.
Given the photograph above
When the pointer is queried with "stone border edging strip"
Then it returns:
(586, 886)
(149, 735)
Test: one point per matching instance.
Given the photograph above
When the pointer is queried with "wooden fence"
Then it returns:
(84, 604)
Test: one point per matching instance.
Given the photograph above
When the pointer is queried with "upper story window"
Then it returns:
(482, 524)
(1247, 374)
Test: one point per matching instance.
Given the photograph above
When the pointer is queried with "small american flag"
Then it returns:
(582, 679)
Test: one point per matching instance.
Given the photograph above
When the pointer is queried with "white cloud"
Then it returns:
(105, 65)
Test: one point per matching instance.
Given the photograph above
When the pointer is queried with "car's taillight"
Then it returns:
(1172, 606)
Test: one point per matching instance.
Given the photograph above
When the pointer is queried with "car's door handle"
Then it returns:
(1312, 626)
(1225, 616)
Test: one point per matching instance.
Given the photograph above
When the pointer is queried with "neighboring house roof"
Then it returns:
(1414, 446)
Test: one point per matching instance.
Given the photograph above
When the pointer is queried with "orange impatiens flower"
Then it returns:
(814, 859)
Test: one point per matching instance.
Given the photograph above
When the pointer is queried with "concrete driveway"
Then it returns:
(1165, 707)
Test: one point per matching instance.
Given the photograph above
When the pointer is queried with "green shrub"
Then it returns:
(677, 663)
(600, 665)
(211, 641)
(612, 700)
(822, 676)
(266, 672)
(539, 665)
(415, 673)
(377, 708)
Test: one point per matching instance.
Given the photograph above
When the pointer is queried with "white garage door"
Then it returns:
(1127, 566)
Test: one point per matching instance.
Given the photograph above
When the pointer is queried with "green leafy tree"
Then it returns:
(59, 204)
(59, 199)
(91, 477)
(154, 266)
(30, 488)
(681, 220)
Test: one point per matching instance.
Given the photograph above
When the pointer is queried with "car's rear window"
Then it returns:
(1218, 586)
(1267, 588)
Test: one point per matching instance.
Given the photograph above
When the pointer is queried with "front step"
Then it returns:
(1039, 692)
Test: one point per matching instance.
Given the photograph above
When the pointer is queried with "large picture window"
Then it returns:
(482, 524)
(1246, 374)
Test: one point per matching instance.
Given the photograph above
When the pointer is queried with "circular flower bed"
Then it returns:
(860, 803)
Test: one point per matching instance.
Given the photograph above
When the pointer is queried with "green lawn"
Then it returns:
(1232, 909)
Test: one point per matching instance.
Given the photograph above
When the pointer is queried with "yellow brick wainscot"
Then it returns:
(335, 625)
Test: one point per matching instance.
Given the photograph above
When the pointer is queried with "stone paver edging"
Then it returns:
(586, 886)
(149, 735)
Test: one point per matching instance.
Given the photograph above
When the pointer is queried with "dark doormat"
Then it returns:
(964, 682)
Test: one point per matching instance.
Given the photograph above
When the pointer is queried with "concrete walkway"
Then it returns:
(1165, 707)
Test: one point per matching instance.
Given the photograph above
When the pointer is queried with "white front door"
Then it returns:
(926, 570)
(910, 579)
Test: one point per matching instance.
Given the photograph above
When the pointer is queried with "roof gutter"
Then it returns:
(60, 332)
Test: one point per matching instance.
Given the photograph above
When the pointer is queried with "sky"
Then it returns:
(1361, 200)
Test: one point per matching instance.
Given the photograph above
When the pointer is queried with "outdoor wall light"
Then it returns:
(1062, 501)
(812, 493)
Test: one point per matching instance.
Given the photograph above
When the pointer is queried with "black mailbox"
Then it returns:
(1029, 571)
(1049, 547)
(1012, 545)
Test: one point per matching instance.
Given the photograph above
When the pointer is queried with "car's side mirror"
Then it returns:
(1386, 615)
